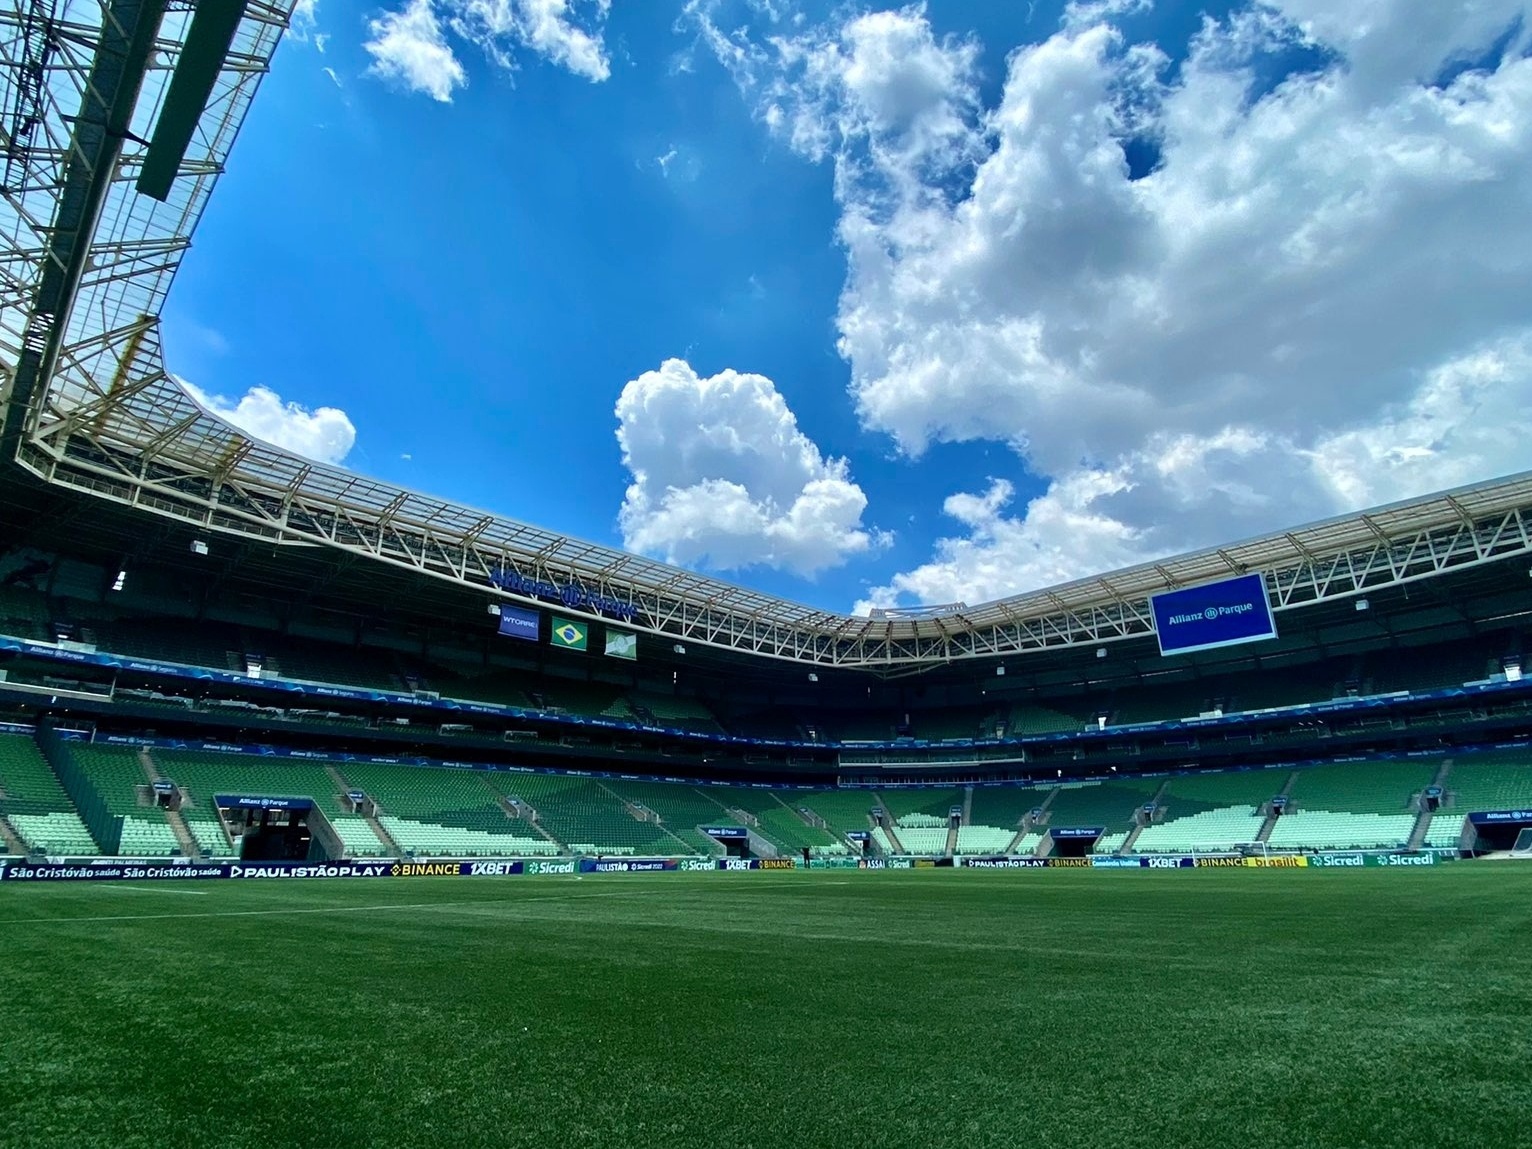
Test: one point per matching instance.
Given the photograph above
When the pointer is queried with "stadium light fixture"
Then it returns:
(813, 677)
(494, 608)
(199, 547)
(1362, 604)
(1100, 652)
(122, 577)
(678, 648)
(999, 672)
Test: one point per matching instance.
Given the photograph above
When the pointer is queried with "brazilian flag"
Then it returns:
(569, 634)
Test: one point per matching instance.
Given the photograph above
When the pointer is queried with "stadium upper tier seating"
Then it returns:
(34, 802)
(1352, 805)
(136, 626)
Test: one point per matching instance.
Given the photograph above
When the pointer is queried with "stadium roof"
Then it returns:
(87, 260)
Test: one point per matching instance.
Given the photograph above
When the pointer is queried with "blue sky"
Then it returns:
(882, 305)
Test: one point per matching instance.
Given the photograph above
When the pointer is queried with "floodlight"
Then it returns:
(122, 577)
(199, 547)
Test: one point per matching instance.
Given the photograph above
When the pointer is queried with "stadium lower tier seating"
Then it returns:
(1328, 830)
(1352, 805)
(983, 839)
(34, 802)
(1219, 829)
(586, 816)
(119, 777)
(202, 775)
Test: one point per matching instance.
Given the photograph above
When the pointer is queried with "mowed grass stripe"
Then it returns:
(1062, 1008)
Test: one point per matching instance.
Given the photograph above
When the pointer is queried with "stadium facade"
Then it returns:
(173, 590)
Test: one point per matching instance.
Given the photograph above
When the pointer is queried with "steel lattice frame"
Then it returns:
(109, 421)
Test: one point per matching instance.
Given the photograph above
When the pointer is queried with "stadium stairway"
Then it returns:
(1127, 843)
(888, 824)
(1270, 824)
(1423, 822)
(377, 827)
(527, 815)
(178, 825)
(1029, 829)
(8, 835)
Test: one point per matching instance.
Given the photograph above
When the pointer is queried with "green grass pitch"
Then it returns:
(1013, 1009)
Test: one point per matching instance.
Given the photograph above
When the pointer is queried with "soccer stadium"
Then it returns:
(336, 813)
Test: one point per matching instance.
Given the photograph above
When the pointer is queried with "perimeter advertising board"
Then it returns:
(1224, 613)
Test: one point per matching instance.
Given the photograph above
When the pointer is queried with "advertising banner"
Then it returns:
(1058, 833)
(726, 833)
(1109, 863)
(518, 622)
(1003, 863)
(627, 865)
(1392, 860)
(564, 867)
(117, 871)
(1215, 614)
(249, 802)
(1326, 861)
(1500, 817)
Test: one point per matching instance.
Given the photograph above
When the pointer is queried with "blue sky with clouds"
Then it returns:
(882, 305)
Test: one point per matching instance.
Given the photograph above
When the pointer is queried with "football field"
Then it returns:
(919, 1008)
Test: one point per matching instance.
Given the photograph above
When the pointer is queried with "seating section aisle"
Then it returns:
(117, 775)
(1500, 780)
(442, 812)
(1110, 805)
(34, 802)
(995, 814)
(681, 809)
(842, 810)
(1351, 805)
(1211, 811)
(584, 815)
(776, 822)
(204, 774)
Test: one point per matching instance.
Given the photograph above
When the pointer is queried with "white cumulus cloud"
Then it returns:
(1314, 297)
(408, 48)
(411, 46)
(325, 434)
(724, 478)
